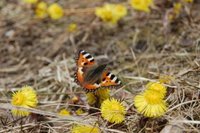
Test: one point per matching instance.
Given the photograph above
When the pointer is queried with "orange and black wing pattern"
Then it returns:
(84, 60)
(101, 77)
(109, 79)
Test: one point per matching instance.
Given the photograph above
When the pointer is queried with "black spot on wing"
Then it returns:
(117, 80)
(92, 60)
(88, 57)
(112, 76)
(83, 52)
(107, 73)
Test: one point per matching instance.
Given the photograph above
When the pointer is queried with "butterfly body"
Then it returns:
(91, 76)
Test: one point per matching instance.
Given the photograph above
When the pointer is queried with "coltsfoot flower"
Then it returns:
(85, 129)
(41, 10)
(100, 95)
(150, 103)
(175, 12)
(55, 11)
(177, 8)
(103, 94)
(30, 1)
(91, 99)
(79, 111)
(72, 27)
(141, 5)
(157, 86)
(188, 1)
(25, 97)
(111, 13)
(113, 111)
(64, 112)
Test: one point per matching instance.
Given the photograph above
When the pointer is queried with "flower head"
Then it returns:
(177, 8)
(113, 111)
(175, 12)
(188, 1)
(141, 5)
(79, 111)
(25, 97)
(55, 11)
(100, 95)
(85, 129)
(91, 99)
(41, 10)
(158, 87)
(30, 1)
(111, 13)
(72, 27)
(103, 94)
(64, 112)
(120, 10)
(150, 103)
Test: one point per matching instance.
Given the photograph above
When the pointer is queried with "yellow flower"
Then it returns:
(150, 103)
(72, 27)
(30, 1)
(79, 111)
(113, 111)
(85, 129)
(100, 95)
(111, 13)
(188, 1)
(120, 11)
(103, 94)
(158, 87)
(177, 8)
(141, 5)
(41, 10)
(174, 12)
(91, 99)
(25, 97)
(55, 11)
(64, 112)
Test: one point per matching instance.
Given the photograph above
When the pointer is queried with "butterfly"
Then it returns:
(91, 76)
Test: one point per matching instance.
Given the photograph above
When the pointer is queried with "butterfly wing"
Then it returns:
(109, 79)
(84, 62)
(84, 59)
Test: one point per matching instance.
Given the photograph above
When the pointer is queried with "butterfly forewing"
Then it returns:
(84, 59)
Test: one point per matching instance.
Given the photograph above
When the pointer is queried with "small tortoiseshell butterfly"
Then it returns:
(91, 76)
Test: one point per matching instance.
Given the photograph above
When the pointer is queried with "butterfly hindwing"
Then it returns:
(91, 87)
(88, 86)
(109, 79)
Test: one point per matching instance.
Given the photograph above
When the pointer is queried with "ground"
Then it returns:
(142, 47)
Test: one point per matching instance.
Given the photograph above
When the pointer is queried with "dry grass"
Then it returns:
(41, 53)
